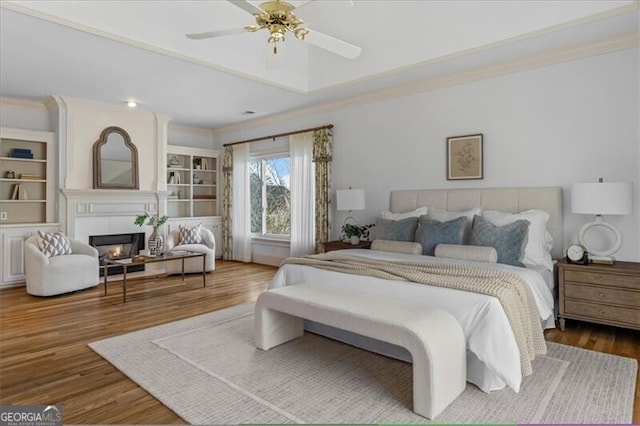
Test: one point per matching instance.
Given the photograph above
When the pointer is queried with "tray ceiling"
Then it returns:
(401, 41)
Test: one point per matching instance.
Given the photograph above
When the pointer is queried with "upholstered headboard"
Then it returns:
(512, 200)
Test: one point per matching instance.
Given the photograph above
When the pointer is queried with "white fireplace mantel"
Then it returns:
(104, 211)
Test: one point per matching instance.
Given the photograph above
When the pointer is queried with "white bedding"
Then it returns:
(493, 359)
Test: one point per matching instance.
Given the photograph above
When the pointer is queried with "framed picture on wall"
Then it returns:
(464, 157)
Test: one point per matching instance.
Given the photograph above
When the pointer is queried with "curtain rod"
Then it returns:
(328, 126)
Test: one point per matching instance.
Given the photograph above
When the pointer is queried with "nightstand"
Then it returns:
(605, 294)
(340, 245)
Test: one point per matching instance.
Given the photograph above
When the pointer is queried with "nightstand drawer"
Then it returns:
(602, 312)
(602, 295)
(591, 277)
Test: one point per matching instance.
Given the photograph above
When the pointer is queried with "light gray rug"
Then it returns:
(208, 371)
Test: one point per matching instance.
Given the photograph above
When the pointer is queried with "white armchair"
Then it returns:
(48, 276)
(208, 247)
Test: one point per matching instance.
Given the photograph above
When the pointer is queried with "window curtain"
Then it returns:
(303, 229)
(227, 203)
(322, 152)
(240, 227)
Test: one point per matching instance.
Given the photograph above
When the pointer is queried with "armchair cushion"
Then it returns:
(53, 244)
(190, 235)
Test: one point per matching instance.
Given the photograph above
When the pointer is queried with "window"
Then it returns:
(270, 196)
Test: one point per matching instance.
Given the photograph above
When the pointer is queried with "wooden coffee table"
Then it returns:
(141, 260)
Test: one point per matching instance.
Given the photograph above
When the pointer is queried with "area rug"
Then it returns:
(207, 370)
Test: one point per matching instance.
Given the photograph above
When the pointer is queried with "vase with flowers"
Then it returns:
(156, 239)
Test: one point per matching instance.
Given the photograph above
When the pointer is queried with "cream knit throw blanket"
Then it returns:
(512, 291)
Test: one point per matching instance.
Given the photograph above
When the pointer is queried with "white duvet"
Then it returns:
(493, 359)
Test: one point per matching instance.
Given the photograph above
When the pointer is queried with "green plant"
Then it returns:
(154, 221)
(350, 230)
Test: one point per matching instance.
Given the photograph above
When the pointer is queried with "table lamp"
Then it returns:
(350, 199)
(601, 198)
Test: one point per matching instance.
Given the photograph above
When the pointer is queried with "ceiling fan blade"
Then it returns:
(332, 44)
(247, 6)
(212, 34)
(297, 8)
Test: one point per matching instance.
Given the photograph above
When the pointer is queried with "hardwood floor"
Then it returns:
(44, 357)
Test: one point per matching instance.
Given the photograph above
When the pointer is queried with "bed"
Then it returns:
(493, 358)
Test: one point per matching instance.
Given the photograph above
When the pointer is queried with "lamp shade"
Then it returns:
(603, 198)
(350, 199)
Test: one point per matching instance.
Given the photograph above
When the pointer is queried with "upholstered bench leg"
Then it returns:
(273, 328)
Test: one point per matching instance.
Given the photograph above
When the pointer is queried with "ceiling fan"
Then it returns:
(277, 17)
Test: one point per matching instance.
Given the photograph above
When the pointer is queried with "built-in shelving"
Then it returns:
(27, 196)
(192, 182)
(21, 216)
(192, 186)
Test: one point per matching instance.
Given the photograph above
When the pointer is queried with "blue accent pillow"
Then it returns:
(508, 240)
(396, 230)
(433, 232)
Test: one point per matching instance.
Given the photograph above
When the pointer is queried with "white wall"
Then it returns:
(552, 126)
(190, 136)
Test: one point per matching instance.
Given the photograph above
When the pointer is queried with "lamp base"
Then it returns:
(617, 239)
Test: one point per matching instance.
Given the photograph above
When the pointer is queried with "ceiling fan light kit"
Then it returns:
(277, 17)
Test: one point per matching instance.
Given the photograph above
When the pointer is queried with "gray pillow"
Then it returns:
(396, 230)
(508, 240)
(433, 232)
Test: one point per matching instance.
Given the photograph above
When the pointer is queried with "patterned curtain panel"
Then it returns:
(227, 204)
(322, 151)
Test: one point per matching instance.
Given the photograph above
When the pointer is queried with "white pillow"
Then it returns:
(446, 215)
(399, 216)
(53, 244)
(190, 235)
(539, 241)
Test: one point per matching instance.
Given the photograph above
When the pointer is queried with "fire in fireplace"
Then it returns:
(118, 246)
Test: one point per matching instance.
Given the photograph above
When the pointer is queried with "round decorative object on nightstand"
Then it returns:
(617, 243)
(576, 253)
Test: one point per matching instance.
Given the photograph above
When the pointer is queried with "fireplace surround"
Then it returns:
(118, 246)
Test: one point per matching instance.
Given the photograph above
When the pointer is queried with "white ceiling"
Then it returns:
(111, 51)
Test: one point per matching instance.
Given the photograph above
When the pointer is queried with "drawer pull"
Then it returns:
(601, 311)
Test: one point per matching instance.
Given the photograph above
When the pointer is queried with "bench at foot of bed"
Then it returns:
(433, 337)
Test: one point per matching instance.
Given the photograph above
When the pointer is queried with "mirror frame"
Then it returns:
(97, 160)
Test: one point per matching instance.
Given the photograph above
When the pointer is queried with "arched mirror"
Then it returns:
(115, 160)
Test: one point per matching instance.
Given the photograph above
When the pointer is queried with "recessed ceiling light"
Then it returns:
(132, 104)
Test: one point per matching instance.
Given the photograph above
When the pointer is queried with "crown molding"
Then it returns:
(541, 32)
(142, 45)
(23, 103)
(191, 129)
(71, 102)
(601, 47)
